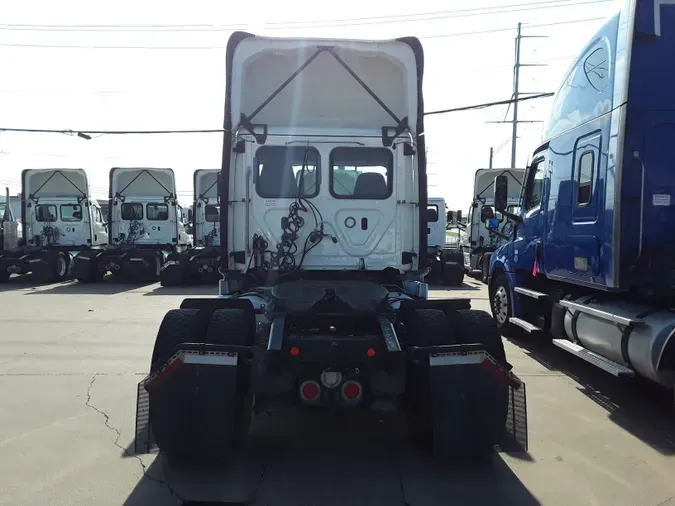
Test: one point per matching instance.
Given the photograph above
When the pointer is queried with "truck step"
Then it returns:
(621, 320)
(599, 361)
(527, 326)
(530, 293)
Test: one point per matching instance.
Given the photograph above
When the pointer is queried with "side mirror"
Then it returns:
(486, 213)
(450, 216)
(501, 192)
(492, 224)
(189, 213)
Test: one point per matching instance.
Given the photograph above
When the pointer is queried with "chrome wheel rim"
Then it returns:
(500, 303)
(61, 266)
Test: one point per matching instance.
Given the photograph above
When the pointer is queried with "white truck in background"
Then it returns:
(487, 229)
(200, 263)
(145, 223)
(445, 260)
(59, 219)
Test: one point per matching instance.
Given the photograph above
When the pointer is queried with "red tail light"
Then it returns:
(310, 390)
(351, 390)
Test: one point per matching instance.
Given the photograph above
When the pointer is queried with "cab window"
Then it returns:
(132, 211)
(535, 186)
(157, 212)
(45, 212)
(432, 213)
(71, 212)
(212, 213)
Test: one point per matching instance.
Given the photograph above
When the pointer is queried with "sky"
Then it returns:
(144, 65)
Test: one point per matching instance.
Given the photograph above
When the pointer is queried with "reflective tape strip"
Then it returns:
(208, 359)
(455, 359)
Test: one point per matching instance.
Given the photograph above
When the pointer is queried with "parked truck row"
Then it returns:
(140, 233)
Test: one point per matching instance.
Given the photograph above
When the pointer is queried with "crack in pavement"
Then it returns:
(251, 499)
(144, 468)
(14, 358)
(403, 495)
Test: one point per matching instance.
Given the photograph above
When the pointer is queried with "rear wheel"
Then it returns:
(199, 417)
(423, 327)
(501, 306)
(172, 414)
(4, 276)
(61, 266)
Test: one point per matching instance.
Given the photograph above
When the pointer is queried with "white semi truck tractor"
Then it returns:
(59, 219)
(200, 263)
(146, 225)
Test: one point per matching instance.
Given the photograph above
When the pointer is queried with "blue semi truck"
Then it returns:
(592, 259)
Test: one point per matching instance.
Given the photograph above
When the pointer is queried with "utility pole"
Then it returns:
(517, 93)
(491, 153)
(516, 75)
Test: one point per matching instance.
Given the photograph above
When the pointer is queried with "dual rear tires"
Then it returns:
(455, 414)
(203, 415)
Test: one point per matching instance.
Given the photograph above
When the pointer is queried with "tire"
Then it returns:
(234, 327)
(4, 276)
(453, 276)
(171, 421)
(487, 398)
(476, 326)
(200, 419)
(501, 306)
(231, 326)
(61, 266)
(427, 327)
(178, 326)
(423, 327)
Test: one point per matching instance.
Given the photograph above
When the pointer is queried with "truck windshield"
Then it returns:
(45, 212)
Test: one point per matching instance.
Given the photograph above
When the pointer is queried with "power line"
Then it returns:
(86, 134)
(202, 48)
(488, 104)
(322, 23)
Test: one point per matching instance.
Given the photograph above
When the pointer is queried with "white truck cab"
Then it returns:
(487, 229)
(324, 184)
(59, 219)
(146, 224)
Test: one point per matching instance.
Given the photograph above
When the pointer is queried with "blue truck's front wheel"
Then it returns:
(501, 304)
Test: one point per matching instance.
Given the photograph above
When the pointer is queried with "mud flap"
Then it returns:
(188, 407)
(85, 266)
(43, 266)
(477, 406)
(141, 266)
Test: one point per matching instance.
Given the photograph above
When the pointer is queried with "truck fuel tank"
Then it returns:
(633, 335)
